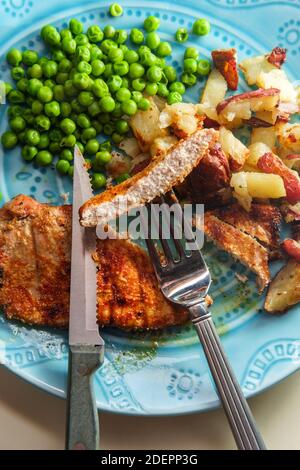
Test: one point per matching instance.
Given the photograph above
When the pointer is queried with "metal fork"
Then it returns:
(185, 281)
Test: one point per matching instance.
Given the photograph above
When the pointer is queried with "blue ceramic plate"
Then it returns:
(163, 373)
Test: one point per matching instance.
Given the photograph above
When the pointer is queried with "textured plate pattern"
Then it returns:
(165, 372)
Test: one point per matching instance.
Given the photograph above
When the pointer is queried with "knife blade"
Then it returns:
(83, 320)
(86, 347)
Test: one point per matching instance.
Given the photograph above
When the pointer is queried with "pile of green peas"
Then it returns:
(91, 84)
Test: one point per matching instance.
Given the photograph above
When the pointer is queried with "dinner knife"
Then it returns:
(86, 347)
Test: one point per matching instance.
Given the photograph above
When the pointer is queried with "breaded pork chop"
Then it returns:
(156, 179)
(35, 249)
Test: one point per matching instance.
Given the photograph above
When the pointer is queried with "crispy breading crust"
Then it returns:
(240, 245)
(262, 222)
(157, 178)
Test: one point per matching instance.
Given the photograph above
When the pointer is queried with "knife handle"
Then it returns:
(82, 431)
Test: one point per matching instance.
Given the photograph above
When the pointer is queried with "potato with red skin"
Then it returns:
(270, 163)
(277, 57)
(250, 96)
(292, 248)
(225, 61)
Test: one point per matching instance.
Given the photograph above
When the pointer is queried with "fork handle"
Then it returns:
(239, 415)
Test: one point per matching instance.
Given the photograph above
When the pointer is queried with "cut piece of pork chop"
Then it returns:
(35, 251)
(240, 245)
(156, 179)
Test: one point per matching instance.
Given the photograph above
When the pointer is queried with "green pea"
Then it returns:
(49, 83)
(76, 106)
(88, 134)
(108, 129)
(42, 123)
(97, 125)
(66, 34)
(44, 141)
(98, 67)
(14, 111)
(191, 53)
(162, 90)
(45, 94)
(120, 36)
(151, 23)
(160, 62)
(22, 84)
(29, 152)
(151, 89)
(201, 27)
(94, 109)
(103, 157)
(115, 55)
(17, 73)
(190, 65)
(83, 53)
(95, 34)
(65, 65)
(63, 167)
(100, 88)
(69, 45)
(131, 56)
(92, 147)
(121, 68)
(96, 52)
(9, 140)
(144, 104)
(50, 35)
(170, 73)
(189, 79)
(16, 97)
(81, 81)
(138, 84)
(107, 104)
(52, 109)
(123, 94)
(14, 57)
(68, 141)
(32, 137)
(136, 36)
(61, 78)
(59, 93)
(174, 97)
(54, 148)
(203, 67)
(181, 35)
(68, 126)
(136, 71)
(35, 71)
(7, 88)
(44, 158)
(117, 112)
(104, 118)
(122, 126)
(86, 98)
(154, 74)
(147, 58)
(152, 40)
(83, 121)
(109, 31)
(98, 181)
(30, 57)
(177, 87)
(28, 116)
(108, 44)
(115, 9)
(50, 69)
(129, 107)
(65, 109)
(66, 154)
(55, 135)
(164, 49)
(108, 71)
(58, 55)
(75, 26)
(70, 89)
(114, 83)
(82, 40)
(117, 138)
(71, 171)
(137, 96)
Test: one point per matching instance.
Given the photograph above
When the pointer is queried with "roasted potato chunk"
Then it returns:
(284, 290)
